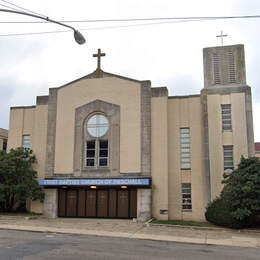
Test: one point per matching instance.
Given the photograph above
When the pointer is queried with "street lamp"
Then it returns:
(77, 35)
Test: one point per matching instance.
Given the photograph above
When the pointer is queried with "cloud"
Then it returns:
(167, 54)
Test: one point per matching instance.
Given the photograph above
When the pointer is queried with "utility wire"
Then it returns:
(163, 21)
(28, 10)
(101, 28)
(33, 33)
(10, 7)
(145, 19)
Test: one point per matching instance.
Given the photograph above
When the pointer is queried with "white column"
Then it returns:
(51, 203)
(144, 204)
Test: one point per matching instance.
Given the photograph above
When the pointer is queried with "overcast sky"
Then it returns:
(168, 54)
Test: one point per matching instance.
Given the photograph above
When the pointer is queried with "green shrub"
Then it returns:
(219, 213)
(242, 190)
(238, 205)
(18, 179)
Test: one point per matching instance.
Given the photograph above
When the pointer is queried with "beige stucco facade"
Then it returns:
(124, 93)
(185, 112)
(218, 138)
(144, 138)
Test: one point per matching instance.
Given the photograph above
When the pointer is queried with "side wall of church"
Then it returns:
(159, 115)
(21, 123)
(186, 112)
(30, 121)
(218, 138)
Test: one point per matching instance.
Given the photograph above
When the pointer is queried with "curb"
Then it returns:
(206, 228)
(234, 241)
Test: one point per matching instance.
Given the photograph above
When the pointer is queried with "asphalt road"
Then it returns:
(29, 245)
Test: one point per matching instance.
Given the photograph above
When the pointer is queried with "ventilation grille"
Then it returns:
(231, 67)
(216, 68)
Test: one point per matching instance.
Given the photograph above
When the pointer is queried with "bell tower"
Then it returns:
(224, 66)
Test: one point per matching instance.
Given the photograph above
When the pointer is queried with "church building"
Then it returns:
(109, 146)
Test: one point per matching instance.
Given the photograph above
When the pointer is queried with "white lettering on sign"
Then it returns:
(87, 182)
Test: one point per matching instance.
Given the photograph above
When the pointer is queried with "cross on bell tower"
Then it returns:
(98, 56)
(221, 36)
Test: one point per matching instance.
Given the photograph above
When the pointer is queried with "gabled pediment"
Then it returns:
(103, 74)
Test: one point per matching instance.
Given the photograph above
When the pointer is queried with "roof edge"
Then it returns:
(23, 107)
(102, 74)
(187, 96)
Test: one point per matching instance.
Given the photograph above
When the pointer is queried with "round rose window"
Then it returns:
(97, 125)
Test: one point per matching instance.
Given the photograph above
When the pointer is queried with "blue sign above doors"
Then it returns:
(101, 182)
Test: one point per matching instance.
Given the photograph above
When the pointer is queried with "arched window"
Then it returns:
(97, 148)
(97, 125)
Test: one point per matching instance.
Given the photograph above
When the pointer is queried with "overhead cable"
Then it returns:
(100, 28)
(145, 19)
(25, 9)
(15, 9)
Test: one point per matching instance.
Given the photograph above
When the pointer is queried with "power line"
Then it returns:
(100, 28)
(9, 7)
(146, 19)
(33, 33)
(28, 10)
(163, 21)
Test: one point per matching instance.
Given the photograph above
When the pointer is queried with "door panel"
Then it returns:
(123, 204)
(102, 199)
(81, 203)
(91, 210)
(62, 203)
(71, 203)
(133, 203)
(112, 203)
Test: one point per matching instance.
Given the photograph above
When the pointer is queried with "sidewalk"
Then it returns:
(130, 229)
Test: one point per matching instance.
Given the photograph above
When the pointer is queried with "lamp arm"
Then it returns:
(80, 41)
(37, 16)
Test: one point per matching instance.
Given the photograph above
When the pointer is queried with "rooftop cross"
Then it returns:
(98, 55)
(221, 36)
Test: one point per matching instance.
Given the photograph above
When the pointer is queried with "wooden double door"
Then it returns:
(97, 203)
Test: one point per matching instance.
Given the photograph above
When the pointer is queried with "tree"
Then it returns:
(239, 202)
(18, 179)
(219, 213)
(242, 189)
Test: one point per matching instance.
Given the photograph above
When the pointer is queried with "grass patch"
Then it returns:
(22, 214)
(183, 223)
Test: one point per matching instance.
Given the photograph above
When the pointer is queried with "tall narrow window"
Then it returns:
(97, 152)
(186, 196)
(226, 117)
(26, 141)
(185, 148)
(103, 153)
(228, 157)
(91, 153)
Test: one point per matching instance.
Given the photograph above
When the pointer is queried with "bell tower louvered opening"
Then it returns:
(216, 69)
(231, 67)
